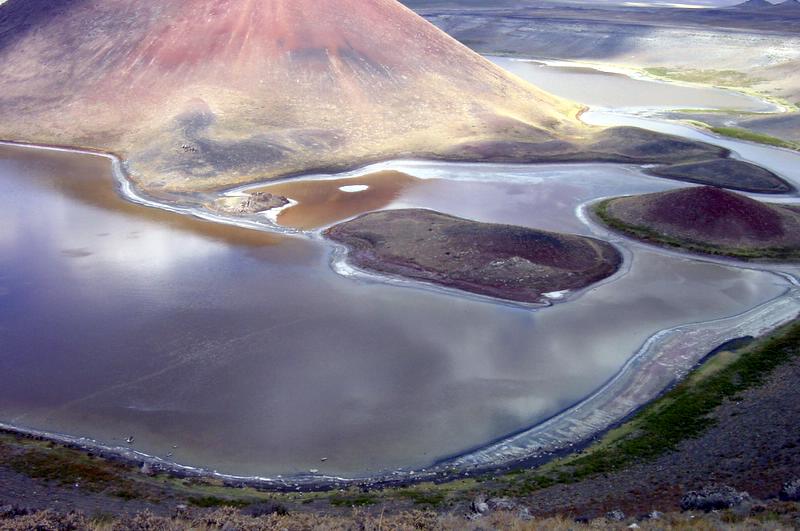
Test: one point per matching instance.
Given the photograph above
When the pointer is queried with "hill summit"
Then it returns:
(207, 93)
(754, 5)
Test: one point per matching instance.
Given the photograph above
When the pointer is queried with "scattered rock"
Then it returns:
(713, 497)
(479, 505)
(249, 204)
(654, 515)
(615, 516)
(509, 505)
(502, 504)
(790, 491)
(265, 509)
(12, 511)
(146, 469)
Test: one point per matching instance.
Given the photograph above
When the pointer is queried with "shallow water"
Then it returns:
(253, 357)
(615, 90)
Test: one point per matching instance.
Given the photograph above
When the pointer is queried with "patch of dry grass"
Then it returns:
(230, 518)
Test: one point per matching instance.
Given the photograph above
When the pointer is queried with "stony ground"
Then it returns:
(754, 447)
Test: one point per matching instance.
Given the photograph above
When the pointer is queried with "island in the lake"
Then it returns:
(245, 204)
(708, 220)
(502, 261)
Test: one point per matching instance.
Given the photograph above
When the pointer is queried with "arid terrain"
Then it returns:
(188, 110)
(506, 262)
(708, 219)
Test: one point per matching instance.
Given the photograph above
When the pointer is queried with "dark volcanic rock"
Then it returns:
(727, 173)
(712, 498)
(503, 261)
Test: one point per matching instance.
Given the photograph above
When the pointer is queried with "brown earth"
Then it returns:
(708, 219)
(502, 261)
(199, 94)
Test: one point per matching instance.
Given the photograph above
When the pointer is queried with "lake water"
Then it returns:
(243, 351)
(616, 90)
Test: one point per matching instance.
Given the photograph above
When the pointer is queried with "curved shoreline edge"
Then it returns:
(665, 357)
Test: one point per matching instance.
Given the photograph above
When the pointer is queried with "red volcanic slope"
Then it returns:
(257, 88)
(714, 212)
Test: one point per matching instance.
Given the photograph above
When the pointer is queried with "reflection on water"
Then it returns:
(247, 352)
(324, 202)
(607, 89)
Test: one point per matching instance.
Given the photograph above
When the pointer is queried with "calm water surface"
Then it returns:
(616, 90)
(251, 356)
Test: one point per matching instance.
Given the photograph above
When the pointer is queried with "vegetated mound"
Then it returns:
(503, 261)
(726, 173)
(710, 220)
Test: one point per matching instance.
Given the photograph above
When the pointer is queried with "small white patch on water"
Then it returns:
(273, 213)
(556, 295)
(353, 188)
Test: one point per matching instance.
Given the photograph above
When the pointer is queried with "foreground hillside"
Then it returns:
(727, 429)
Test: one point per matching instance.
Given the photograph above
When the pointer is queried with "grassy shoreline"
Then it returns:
(649, 235)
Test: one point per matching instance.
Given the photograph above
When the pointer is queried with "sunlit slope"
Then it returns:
(202, 94)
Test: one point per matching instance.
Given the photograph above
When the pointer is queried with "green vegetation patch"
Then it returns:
(726, 78)
(420, 497)
(682, 413)
(51, 465)
(752, 136)
(214, 501)
(360, 500)
(647, 234)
